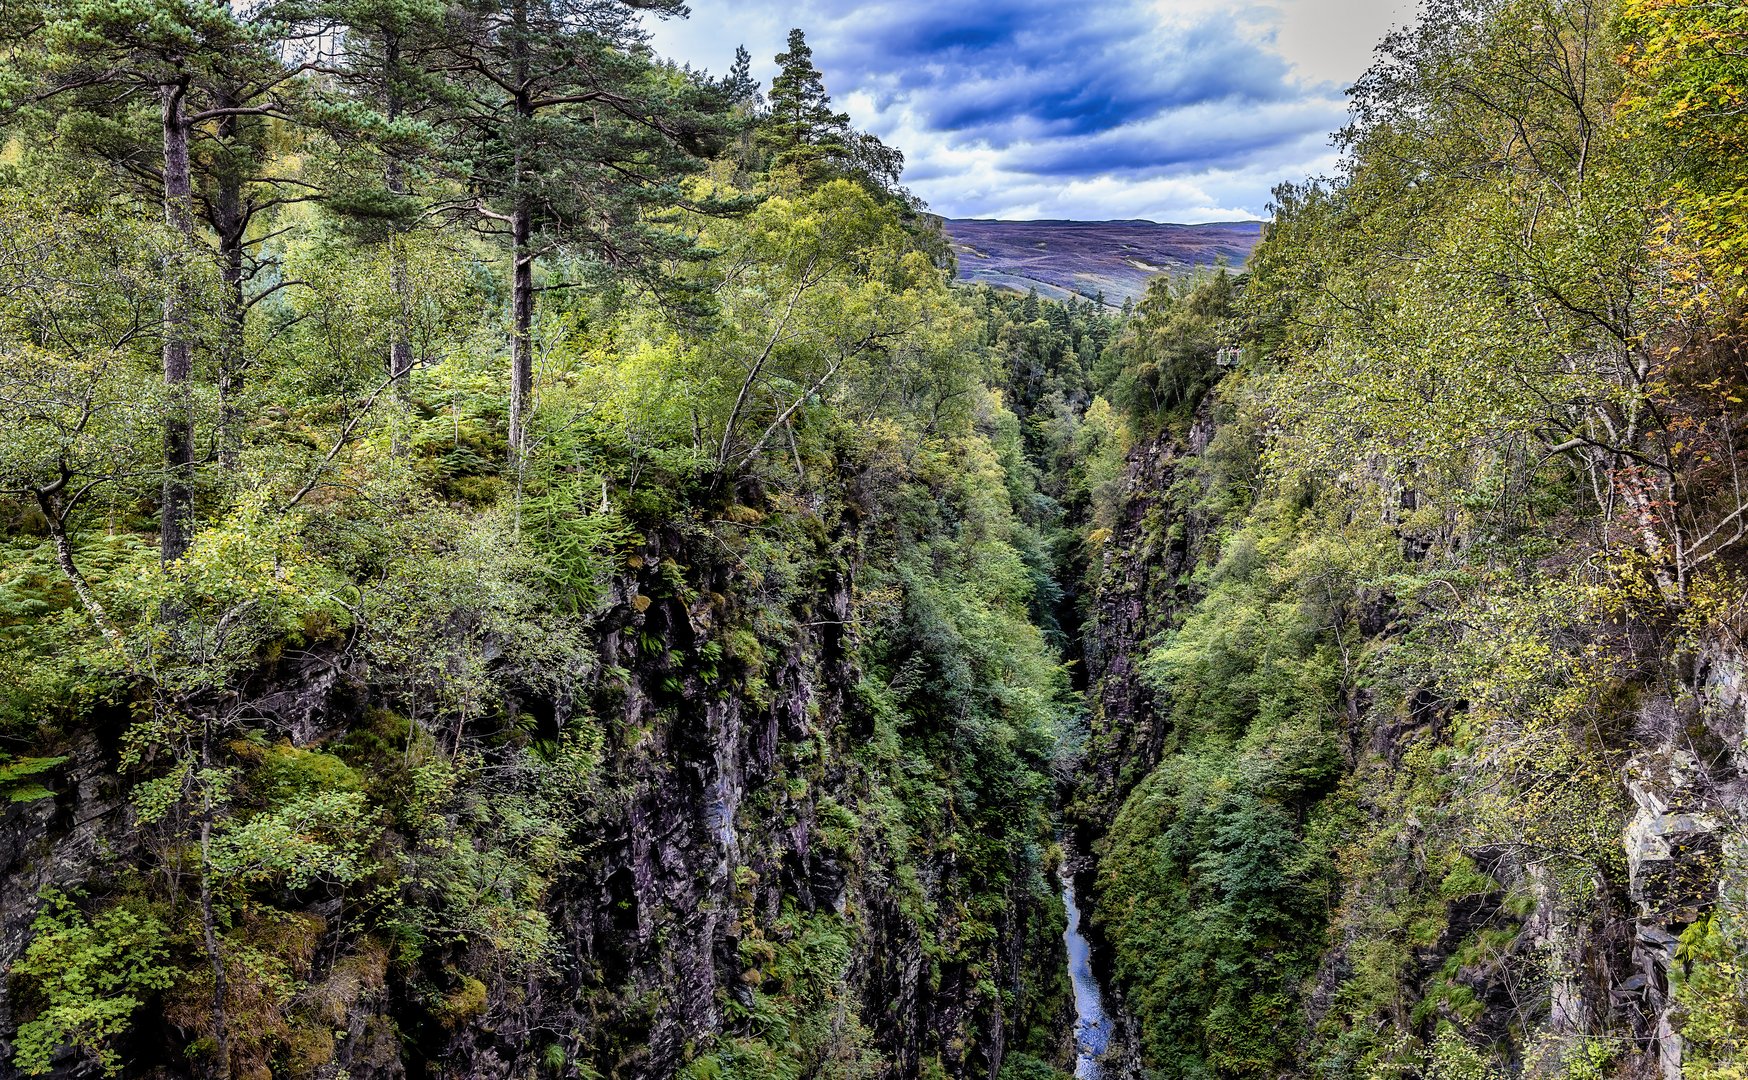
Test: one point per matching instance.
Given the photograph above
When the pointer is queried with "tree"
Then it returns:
(739, 86)
(92, 974)
(1165, 354)
(381, 138)
(1530, 246)
(83, 77)
(829, 294)
(1687, 69)
(571, 141)
(801, 131)
(78, 292)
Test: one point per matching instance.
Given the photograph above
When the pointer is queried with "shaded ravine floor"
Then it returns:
(1092, 1026)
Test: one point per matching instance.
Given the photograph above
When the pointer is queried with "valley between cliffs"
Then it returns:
(522, 560)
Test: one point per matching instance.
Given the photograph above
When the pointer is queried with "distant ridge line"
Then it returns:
(1109, 221)
(1064, 258)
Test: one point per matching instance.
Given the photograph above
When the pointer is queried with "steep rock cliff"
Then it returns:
(766, 868)
(1465, 952)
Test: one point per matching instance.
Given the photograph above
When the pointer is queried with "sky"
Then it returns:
(1166, 110)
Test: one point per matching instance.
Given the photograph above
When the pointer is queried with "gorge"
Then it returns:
(521, 559)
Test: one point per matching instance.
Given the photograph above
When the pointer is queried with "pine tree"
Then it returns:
(801, 131)
(740, 88)
(92, 79)
(569, 140)
(386, 76)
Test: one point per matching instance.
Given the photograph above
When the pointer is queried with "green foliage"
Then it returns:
(797, 1022)
(1685, 71)
(1711, 989)
(571, 528)
(483, 840)
(1167, 355)
(1219, 864)
(323, 836)
(19, 777)
(87, 977)
(801, 130)
(76, 394)
(246, 582)
(596, 186)
(1022, 1066)
(1454, 1059)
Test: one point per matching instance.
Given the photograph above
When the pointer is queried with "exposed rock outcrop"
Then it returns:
(727, 811)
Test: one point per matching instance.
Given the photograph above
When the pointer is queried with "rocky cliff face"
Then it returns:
(1487, 944)
(739, 881)
(1141, 587)
(1687, 777)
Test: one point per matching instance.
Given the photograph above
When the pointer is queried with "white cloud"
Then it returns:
(1332, 40)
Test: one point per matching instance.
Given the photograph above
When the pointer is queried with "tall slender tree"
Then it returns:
(802, 131)
(571, 140)
(739, 86)
(382, 143)
(176, 95)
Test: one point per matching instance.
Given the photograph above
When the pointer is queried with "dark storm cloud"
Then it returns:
(1189, 144)
(1119, 108)
(1051, 75)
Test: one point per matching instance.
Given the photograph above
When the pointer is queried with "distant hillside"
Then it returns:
(1059, 258)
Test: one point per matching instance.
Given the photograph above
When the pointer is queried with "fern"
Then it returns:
(18, 781)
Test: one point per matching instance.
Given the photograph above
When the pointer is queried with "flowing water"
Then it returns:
(1092, 1028)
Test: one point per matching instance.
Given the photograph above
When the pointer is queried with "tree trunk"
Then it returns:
(522, 335)
(177, 509)
(522, 271)
(231, 359)
(54, 514)
(400, 347)
(230, 221)
(1650, 535)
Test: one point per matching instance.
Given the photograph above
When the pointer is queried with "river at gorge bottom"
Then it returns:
(1092, 1027)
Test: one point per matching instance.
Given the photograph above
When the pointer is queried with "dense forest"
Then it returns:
(518, 560)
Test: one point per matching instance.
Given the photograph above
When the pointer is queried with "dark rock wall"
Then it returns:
(705, 829)
(1570, 970)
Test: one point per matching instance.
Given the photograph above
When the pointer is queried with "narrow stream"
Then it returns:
(1092, 1028)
